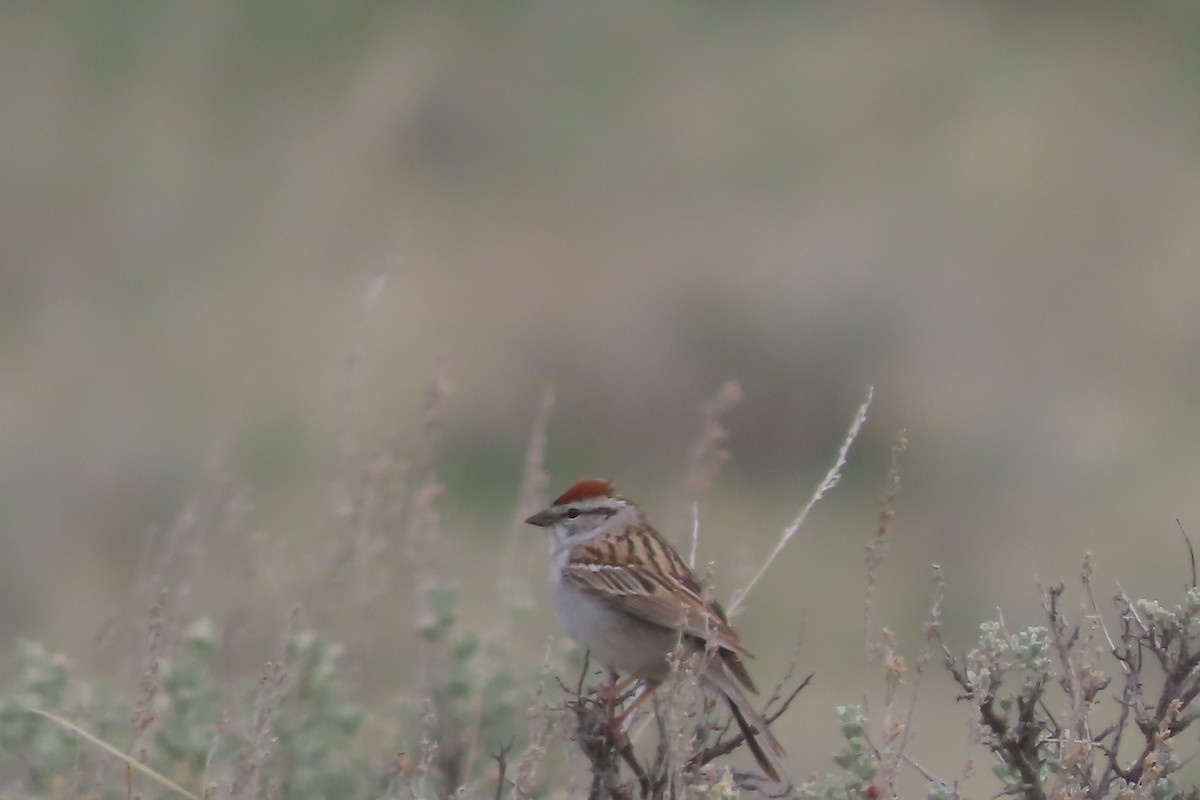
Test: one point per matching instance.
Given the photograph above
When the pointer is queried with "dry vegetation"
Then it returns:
(1068, 709)
(986, 209)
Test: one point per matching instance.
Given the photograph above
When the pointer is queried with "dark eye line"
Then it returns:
(574, 513)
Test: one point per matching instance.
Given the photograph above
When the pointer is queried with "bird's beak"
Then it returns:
(541, 519)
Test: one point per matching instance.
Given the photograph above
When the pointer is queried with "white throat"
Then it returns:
(564, 536)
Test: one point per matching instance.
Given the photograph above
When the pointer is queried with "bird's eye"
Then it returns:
(573, 513)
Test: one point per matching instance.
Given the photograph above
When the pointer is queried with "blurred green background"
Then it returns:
(988, 211)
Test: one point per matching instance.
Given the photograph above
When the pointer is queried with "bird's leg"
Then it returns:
(645, 692)
(606, 693)
(618, 689)
(611, 692)
(609, 695)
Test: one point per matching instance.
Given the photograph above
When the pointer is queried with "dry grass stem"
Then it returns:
(542, 723)
(534, 480)
(695, 534)
(831, 480)
(273, 687)
(707, 453)
(150, 684)
(130, 763)
(877, 549)
(351, 387)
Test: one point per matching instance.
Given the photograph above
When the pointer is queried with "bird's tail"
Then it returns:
(754, 728)
(765, 763)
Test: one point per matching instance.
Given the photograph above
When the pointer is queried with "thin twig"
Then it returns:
(501, 757)
(695, 533)
(729, 745)
(1191, 550)
(932, 629)
(1131, 611)
(877, 548)
(912, 762)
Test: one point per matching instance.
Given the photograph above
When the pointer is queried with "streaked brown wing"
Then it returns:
(640, 574)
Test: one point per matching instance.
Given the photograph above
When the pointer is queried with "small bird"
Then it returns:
(624, 593)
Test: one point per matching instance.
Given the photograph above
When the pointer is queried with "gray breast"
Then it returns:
(617, 641)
